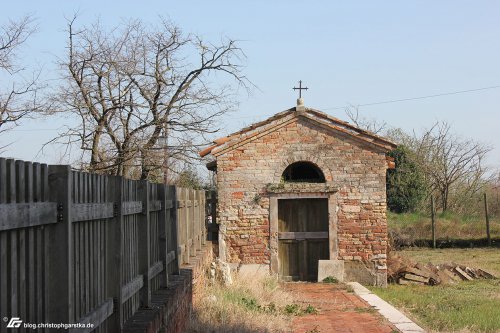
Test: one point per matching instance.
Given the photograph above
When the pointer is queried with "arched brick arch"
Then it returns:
(303, 157)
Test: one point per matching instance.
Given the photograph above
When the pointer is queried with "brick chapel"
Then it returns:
(303, 195)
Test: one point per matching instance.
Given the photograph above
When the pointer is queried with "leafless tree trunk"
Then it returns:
(127, 85)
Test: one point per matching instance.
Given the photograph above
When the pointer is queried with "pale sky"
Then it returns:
(346, 52)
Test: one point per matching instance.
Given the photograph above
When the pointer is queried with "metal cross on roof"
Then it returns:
(300, 88)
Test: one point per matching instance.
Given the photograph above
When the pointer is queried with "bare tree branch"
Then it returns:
(21, 98)
(371, 125)
(131, 84)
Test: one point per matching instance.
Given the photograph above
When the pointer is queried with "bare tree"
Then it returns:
(132, 84)
(368, 124)
(18, 93)
(454, 166)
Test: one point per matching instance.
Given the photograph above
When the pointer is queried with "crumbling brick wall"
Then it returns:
(357, 169)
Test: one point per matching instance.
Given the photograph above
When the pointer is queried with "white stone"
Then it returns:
(333, 268)
(398, 319)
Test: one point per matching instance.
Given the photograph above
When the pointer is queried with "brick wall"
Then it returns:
(355, 168)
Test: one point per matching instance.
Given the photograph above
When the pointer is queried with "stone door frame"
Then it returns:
(273, 222)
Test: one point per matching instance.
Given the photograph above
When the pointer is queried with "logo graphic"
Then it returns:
(14, 322)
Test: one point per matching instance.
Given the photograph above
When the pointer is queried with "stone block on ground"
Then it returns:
(333, 268)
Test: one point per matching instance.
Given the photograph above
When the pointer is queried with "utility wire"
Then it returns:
(416, 98)
(390, 101)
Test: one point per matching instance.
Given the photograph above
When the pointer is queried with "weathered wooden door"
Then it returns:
(303, 237)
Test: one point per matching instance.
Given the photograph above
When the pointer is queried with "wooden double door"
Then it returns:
(303, 237)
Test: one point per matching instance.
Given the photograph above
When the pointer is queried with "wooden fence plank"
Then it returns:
(91, 211)
(31, 298)
(4, 269)
(61, 249)
(131, 288)
(131, 207)
(40, 291)
(155, 269)
(155, 205)
(173, 231)
(144, 240)
(114, 245)
(23, 215)
(78, 269)
(163, 234)
(3, 180)
(96, 317)
(30, 262)
(11, 194)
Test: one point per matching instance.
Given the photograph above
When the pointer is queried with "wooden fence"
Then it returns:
(84, 248)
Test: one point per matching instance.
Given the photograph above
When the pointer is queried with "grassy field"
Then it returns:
(464, 307)
(411, 228)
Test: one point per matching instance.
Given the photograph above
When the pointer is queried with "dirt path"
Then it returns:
(339, 311)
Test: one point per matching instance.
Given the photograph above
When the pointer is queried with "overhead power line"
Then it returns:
(388, 101)
(416, 98)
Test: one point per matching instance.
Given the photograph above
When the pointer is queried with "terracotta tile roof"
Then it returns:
(282, 118)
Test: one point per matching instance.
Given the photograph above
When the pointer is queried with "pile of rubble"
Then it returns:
(403, 271)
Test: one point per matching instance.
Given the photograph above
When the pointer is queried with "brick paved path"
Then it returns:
(339, 311)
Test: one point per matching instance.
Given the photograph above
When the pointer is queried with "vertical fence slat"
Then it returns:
(21, 198)
(3, 239)
(30, 261)
(39, 268)
(187, 226)
(174, 231)
(115, 249)
(92, 254)
(144, 241)
(3, 273)
(61, 248)
(11, 193)
(77, 270)
(3, 245)
(163, 233)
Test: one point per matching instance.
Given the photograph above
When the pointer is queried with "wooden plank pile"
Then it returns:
(403, 271)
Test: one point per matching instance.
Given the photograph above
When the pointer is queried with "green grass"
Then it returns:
(330, 279)
(467, 306)
(416, 226)
(473, 306)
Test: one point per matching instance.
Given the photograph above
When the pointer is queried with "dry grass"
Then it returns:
(484, 258)
(250, 304)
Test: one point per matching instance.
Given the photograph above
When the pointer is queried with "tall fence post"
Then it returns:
(174, 220)
(187, 226)
(163, 234)
(114, 249)
(488, 236)
(198, 219)
(191, 221)
(144, 243)
(61, 302)
(433, 218)
(203, 218)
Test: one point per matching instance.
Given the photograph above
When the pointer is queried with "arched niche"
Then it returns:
(303, 172)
